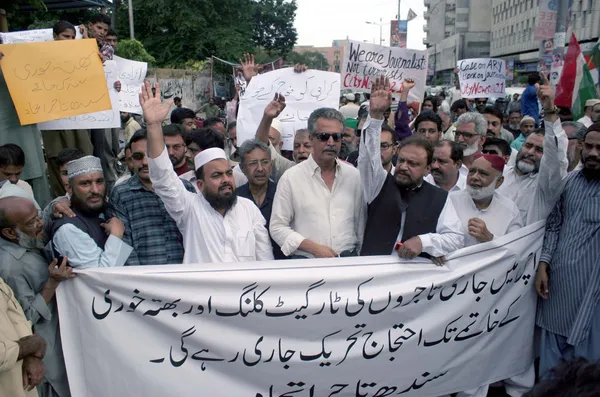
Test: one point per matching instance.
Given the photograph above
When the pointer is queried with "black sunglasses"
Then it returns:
(324, 136)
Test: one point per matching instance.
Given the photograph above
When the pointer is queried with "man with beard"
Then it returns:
(216, 226)
(176, 148)
(534, 184)
(256, 164)
(303, 146)
(470, 133)
(568, 276)
(83, 238)
(526, 127)
(495, 129)
(130, 126)
(25, 269)
(149, 228)
(406, 215)
(184, 117)
(575, 132)
(319, 208)
(514, 123)
(447, 169)
(592, 111)
(485, 214)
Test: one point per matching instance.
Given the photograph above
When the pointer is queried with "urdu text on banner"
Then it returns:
(131, 76)
(304, 93)
(57, 79)
(368, 326)
(482, 78)
(363, 62)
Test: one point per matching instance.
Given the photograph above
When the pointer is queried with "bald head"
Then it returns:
(20, 222)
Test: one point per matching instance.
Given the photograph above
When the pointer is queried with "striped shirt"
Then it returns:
(149, 228)
(572, 248)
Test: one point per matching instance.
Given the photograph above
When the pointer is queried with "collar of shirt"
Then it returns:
(314, 167)
(136, 184)
(13, 249)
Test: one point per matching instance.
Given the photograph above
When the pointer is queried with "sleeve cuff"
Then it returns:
(373, 123)
(546, 258)
(40, 305)
(116, 244)
(426, 243)
(10, 356)
(292, 243)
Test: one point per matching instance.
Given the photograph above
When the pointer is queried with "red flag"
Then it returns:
(566, 84)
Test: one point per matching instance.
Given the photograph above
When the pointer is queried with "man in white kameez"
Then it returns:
(217, 226)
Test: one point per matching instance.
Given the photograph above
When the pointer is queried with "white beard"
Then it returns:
(525, 168)
(28, 242)
(471, 150)
(482, 193)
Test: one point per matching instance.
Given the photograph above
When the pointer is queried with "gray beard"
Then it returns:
(471, 150)
(482, 193)
(525, 168)
(28, 242)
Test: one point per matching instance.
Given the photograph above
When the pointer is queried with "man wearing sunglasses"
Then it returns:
(480, 104)
(407, 216)
(319, 210)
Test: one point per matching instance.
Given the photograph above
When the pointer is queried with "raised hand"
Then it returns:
(298, 68)
(248, 66)
(546, 93)
(62, 272)
(381, 97)
(275, 107)
(408, 84)
(154, 110)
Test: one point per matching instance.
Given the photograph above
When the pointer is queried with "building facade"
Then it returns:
(333, 54)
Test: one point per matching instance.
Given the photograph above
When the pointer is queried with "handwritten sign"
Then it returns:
(482, 77)
(363, 62)
(304, 92)
(105, 119)
(31, 36)
(131, 76)
(52, 80)
(365, 326)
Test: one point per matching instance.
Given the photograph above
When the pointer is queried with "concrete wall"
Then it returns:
(193, 87)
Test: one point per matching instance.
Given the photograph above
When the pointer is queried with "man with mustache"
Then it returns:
(303, 146)
(526, 126)
(575, 132)
(216, 225)
(407, 216)
(495, 129)
(447, 169)
(568, 275)
(534, 184)
(149, 228)
(24, 267)
(83, 238)
(470, 133)
(175, 143)
(485, 214)
(319, 209)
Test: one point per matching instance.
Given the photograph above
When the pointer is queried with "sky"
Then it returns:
(319, 22)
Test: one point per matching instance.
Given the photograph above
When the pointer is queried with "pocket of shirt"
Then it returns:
(245, 245)
(591, 210)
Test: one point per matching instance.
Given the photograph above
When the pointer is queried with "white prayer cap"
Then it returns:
(83, 166)
(276, 124)
(208, 155)
(351, 97)
(591, 102)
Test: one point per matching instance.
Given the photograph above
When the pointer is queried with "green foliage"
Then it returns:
(196, 65)
(312, 59)
(134, 50)
(273, 25)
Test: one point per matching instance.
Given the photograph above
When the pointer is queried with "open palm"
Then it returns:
(154, 110)
(275, 107)
(381, 97)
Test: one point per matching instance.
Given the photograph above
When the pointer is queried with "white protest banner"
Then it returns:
(131, 75)
(362, 326)
(482, 77)
(31, 36)
(304, 92)
(363, 62)
(97, 120)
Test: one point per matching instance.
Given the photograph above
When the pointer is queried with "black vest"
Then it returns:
(423, 208)
(90, 225)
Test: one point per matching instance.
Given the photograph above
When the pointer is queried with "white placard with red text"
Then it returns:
(482, 78)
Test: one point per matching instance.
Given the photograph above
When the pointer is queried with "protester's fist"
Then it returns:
(541, 281)
(381, 97)
(546, 93)
(408, 84)
(275, 107)
(478, 229)
(62, 207)
(154, 110)
(60, 273)
(411, 248)
(115, 227)
(248, 67)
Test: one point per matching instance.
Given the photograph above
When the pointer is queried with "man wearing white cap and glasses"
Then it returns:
(592, 113)
(216, 225)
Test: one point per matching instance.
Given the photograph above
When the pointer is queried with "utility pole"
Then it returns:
(399, 2)
(560, 38)
(130, 11)
(380, 31)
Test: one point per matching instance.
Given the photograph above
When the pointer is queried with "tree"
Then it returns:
(134, 50)
(312, 59)
(273, 25)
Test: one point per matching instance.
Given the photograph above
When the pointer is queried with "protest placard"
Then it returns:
(56, 79)
(105, 119)
(363, 326)
(363, 62)
(31, 36)
(482, 77)
(304, 92)
(131, 75)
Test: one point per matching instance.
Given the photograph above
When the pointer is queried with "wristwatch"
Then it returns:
(554, 110)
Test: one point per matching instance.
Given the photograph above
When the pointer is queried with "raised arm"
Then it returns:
(248, 67)
(401, 126)
(272, 111)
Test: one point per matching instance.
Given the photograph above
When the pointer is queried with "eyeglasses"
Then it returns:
(484, 151)
(138, 156)
(466, 135)
(324, 136)
(344, 135)
(385, 146)
(254, 163)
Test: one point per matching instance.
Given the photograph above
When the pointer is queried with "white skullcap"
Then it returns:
(83, 166)
(527, 118)
(591, 102)
(276, 124)
(208, 155)
(351, 97)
